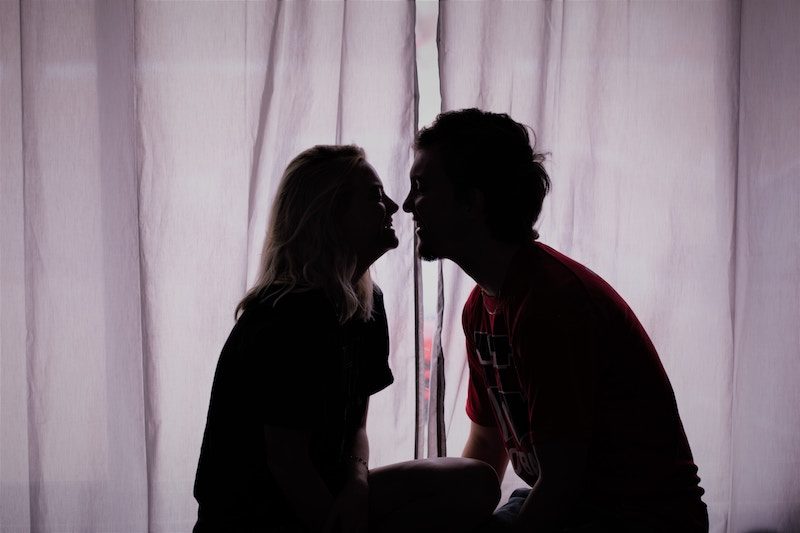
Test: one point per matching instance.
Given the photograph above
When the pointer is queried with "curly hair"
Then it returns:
(303, 248)
(492, 153)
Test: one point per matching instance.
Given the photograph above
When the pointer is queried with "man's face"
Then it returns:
(433, 204)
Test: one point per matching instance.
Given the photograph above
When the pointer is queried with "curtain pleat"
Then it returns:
(436, 429)
(78, 400)
(14, 471)
(765, 441)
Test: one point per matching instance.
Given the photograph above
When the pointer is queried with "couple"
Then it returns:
(564, 382)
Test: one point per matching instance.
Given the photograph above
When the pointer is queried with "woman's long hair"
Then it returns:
(304, 248)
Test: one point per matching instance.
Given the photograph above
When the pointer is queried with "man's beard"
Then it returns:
(427, 255)
(424, 251)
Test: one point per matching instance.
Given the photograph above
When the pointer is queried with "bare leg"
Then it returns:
(438, 495)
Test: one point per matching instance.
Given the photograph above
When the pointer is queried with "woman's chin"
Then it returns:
(388, 245)
(390, 240)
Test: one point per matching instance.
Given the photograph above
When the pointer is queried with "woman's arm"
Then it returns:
(289, 463)
(352, 505)
(360, 449)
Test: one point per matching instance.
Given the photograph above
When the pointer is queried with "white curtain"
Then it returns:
(674, 133)
(141, 145)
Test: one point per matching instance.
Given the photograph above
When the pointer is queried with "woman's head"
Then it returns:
(330, 221)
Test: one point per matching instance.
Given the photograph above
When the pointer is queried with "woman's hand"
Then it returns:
(290, 465)
(350, 512)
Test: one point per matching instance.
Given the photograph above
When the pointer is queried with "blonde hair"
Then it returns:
(303, 248)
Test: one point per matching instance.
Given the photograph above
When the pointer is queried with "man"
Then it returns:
(564, 381)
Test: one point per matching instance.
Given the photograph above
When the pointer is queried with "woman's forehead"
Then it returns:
(365, 176)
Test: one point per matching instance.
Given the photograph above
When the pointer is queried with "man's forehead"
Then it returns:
(425, 161)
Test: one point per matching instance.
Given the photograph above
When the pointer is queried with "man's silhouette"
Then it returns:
(564, 381)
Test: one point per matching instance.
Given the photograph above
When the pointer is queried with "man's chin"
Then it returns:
(426, 254)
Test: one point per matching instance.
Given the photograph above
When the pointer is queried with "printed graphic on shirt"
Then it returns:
(508, 400)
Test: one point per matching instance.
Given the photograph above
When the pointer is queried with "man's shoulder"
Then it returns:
(472, 299)
(555, 285)
(554, 272)
(471, 305)
(546, 274)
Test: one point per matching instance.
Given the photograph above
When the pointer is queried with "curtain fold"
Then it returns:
(76, 397)
(672, 191)
(765, 441)
(14, 471)
(142, 144)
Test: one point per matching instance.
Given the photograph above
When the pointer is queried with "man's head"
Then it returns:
(474, 170)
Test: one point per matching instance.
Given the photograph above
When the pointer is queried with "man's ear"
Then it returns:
(475, 204)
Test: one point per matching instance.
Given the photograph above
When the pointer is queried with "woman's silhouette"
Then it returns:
(285, 446)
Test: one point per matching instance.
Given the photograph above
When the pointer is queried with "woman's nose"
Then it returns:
(391, 206)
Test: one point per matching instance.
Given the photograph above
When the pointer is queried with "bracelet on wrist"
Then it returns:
(358, 460)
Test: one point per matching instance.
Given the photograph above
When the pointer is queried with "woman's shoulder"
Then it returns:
(280, 307)
(377, 296)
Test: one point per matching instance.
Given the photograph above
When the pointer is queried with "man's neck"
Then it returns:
(487, 263)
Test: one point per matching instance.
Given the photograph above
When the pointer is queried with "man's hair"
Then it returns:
(303, 248)
(492, 153)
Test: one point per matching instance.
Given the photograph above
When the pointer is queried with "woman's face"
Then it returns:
(367, 218)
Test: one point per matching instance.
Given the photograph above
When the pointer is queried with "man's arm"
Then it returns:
(485, 444)
(561, 406)
(290, 465)
(560, 480)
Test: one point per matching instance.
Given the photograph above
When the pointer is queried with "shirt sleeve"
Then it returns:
(479, 408)
(379, 374)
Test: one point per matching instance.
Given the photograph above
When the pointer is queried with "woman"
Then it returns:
(285, 446)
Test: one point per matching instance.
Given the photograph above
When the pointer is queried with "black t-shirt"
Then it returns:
(287, 363)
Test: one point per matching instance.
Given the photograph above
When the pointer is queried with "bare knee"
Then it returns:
(444, 494)
(484, 484)
(471, 483)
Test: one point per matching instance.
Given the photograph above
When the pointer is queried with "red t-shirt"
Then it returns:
(558, 356)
